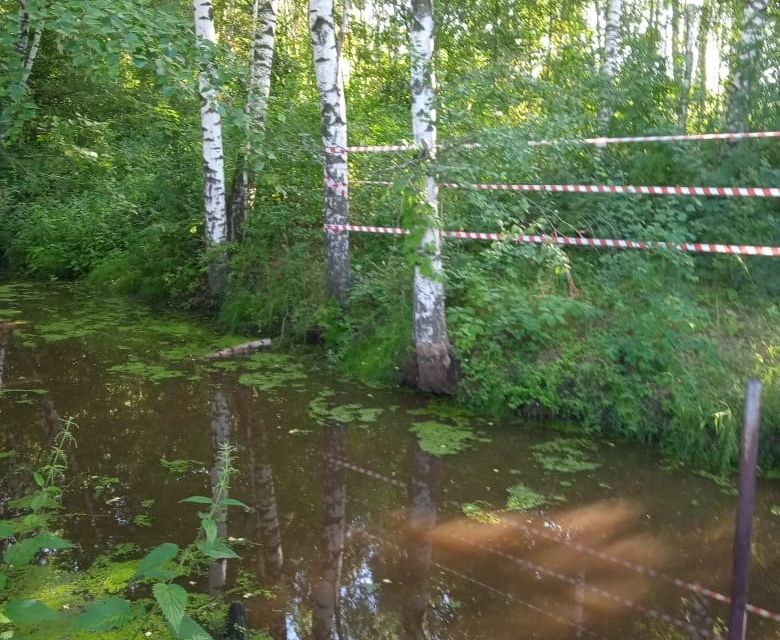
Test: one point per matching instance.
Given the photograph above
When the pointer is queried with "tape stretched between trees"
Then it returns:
(599, 142)
(599, 243)
(713, 192)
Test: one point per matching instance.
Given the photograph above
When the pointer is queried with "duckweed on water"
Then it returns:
(323, 412)
(135, 368)
(523, 498)
(479, 511)
(566, 455)
(444, 410)
(441, 439)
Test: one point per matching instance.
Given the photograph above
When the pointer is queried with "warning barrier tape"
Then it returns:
(487, 587)
(535, 531)
(602, 243)
(600, 141)
(339, 188)
(728, 192)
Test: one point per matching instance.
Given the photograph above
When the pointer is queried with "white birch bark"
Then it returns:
(24, 29)
(333, 112)
(691, 18)
(676, 55)
(435, 370)
(746, 73)
(213, 157)
(611, 61)
(220, 434)
(31, 54)
(264, 13)
(701, 55)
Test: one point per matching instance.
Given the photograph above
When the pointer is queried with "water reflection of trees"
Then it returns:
(325, 614)
(423, 487)
(220, 434)
(269, 560)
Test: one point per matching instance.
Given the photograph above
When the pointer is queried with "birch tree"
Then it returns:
(333, 113)
(689, 37)
(746, 71)
(220, 435)
(213, 158)
(242, 194)
(701, 56)
(610, 63)
(435, 367)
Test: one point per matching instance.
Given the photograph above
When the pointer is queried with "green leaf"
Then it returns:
(232, 502)
(22, 552)
(38, 479)
(217, 550)
(27, 611)
(191, 630)
(5, 529)
(103, 615)
(173, 601)
(155, 558)
(209, 528)
(2, 581)
(197, 500)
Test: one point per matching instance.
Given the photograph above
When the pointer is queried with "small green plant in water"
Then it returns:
(180, 466)
(522, 498)
(566, 455)
(135, 368)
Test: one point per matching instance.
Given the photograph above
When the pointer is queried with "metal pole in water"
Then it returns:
(740, 570)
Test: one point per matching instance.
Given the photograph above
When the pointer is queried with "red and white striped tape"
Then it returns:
(722, 192)
(602, 243)
(536, 531)
(600, 142)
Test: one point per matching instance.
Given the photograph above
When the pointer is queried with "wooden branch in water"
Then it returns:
(241, 349)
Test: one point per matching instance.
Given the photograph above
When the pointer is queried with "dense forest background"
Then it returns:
(101, 178)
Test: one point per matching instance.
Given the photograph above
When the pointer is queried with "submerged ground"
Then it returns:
(406, 507)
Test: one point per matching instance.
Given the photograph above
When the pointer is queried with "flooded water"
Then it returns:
(358, 530)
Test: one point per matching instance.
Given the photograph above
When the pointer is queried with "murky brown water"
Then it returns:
(357, 532)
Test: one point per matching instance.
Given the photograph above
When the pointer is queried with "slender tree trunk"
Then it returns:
(746, 73)
(333, 111)
(24, 28)
(676, 56)
(334, 499)
(687, 73)
(220, 433)
(701, 54)
(242, 194)
(423, 499)
(435, 366)
(31, 54)
(213, 158)
(609, 66)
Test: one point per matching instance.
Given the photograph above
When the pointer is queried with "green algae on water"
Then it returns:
(323, 412)
(135, 368)
(522, 498)
(479, 511)
(445, 410)
(441, 439)
(566, 455)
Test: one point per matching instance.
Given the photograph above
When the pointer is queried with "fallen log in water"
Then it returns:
(241, 349)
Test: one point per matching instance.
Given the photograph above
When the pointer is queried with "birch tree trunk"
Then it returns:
(676, 56)
(242, 194)
(701, 53)
(746, 73)
(687, 72)
(213, 158)
(609, 66)
(333, 112)
(435, 366)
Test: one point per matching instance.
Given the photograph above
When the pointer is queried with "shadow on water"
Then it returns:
(375, 513)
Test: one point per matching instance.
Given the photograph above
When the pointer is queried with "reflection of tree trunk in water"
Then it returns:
(3, 346)
(220, 432)
(422, 493)
(53, 424)
(261, 485)
(334, 498)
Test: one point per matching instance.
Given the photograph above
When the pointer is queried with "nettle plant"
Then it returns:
(30, 539)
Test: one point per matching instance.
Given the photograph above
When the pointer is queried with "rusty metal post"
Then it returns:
(740, 570)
